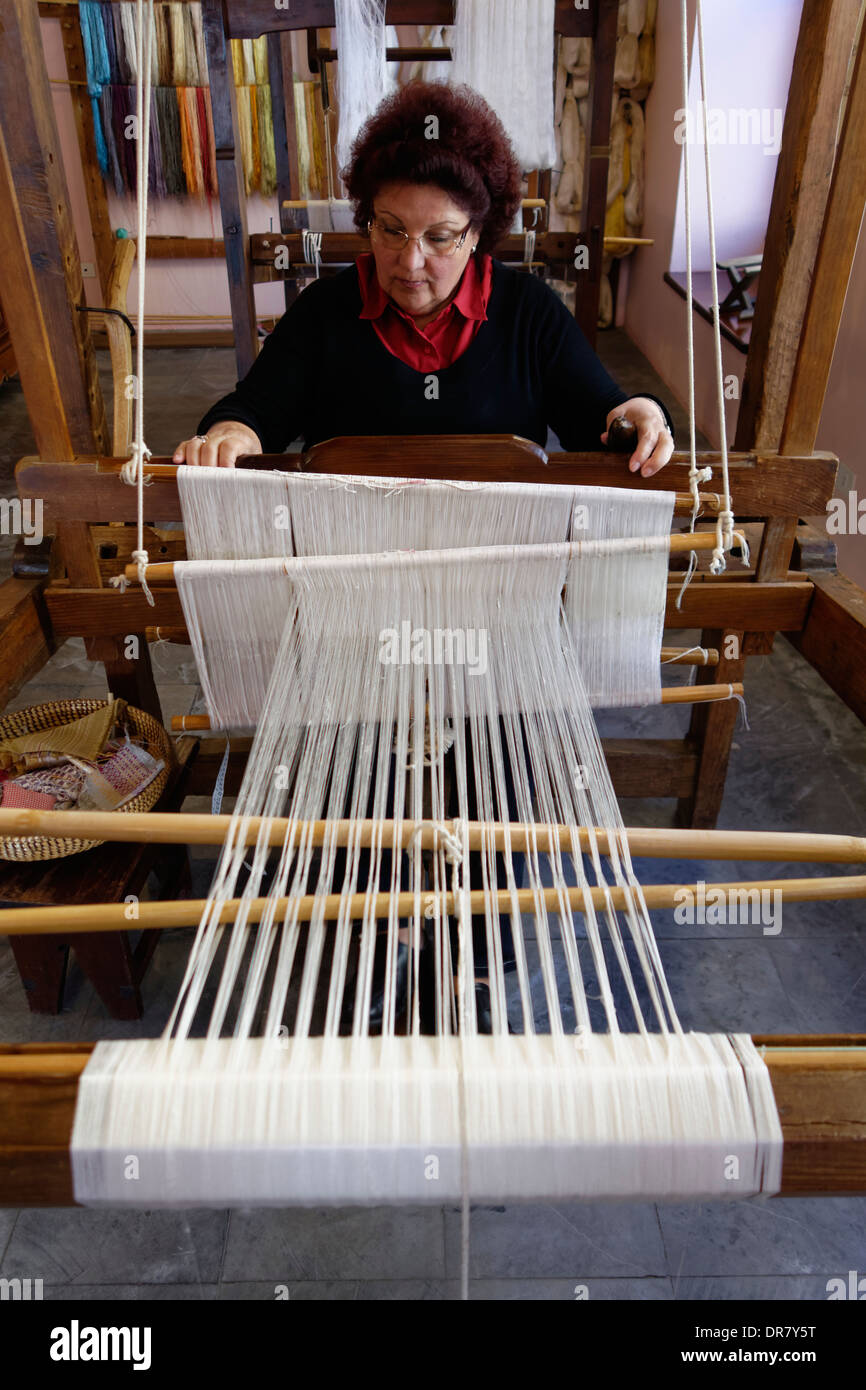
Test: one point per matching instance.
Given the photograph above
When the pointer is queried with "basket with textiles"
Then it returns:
(98, 753)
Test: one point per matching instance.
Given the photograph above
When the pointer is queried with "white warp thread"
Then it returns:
(297, 1107)
(614, 605)
(504, 50)
(362, 72)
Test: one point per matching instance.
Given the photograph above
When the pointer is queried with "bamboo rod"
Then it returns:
(681, 543)
(700, 694)
(673, 695)
(671, 656)
(105, 917)
(194, 828)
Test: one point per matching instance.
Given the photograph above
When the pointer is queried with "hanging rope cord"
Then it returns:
(132, 471)
(725, 517)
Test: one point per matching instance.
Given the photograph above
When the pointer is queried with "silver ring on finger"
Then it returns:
(202, 438)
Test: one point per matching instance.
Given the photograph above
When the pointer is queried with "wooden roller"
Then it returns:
(819, 1084)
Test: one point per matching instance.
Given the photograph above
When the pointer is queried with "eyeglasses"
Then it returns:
(431, 243)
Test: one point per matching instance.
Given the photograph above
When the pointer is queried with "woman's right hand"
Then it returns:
(224, 443)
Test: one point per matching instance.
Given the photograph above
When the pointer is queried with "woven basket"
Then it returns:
(147, 730)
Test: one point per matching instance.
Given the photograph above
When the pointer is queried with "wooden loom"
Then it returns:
(820, 1083)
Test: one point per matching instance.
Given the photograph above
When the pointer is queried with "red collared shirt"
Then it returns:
(444, 338)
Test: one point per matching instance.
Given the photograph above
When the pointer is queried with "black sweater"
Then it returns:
(324, 372)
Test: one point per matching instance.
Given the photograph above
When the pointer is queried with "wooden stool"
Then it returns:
(114, 967)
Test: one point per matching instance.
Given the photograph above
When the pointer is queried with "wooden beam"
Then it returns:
(32, 342)
(289, 121)
(129, 677)
(819, 1085)
(230, 177)
(708, 603)
(341, 248)
(185, 248)
(38, 227)
(666, 765)
(596, 167)
(90, 489)
(834, 638)
(285, 136)
(828, 282)
(828, 29)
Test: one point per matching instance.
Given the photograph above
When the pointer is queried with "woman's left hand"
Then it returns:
(655, 443)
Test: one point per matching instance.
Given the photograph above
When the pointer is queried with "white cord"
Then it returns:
(132, 471)
(312, 248)
(725, 519)
(690, 324)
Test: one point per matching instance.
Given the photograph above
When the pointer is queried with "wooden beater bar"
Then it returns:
(819, 1084)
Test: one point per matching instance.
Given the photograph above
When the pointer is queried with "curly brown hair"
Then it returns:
(471, 160)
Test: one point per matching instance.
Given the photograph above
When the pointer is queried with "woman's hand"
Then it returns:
(655, 443)
(221, 447)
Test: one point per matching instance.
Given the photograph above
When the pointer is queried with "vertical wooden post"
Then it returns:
(130, 679)
(289, 120)
(781, 360)
(828, 283)
(32, 340)
(230, 177)
(597, 165)
(277, 79)
(64, 397)
(94, 185)
(711, 729)
(280, 117)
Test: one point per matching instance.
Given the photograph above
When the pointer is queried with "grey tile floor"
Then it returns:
(801, 765)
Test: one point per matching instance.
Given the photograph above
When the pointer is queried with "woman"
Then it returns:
(426, 333)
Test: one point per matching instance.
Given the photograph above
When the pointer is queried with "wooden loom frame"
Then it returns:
(820, 1083)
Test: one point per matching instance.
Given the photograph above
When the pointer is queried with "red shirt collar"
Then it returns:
(471, 298)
